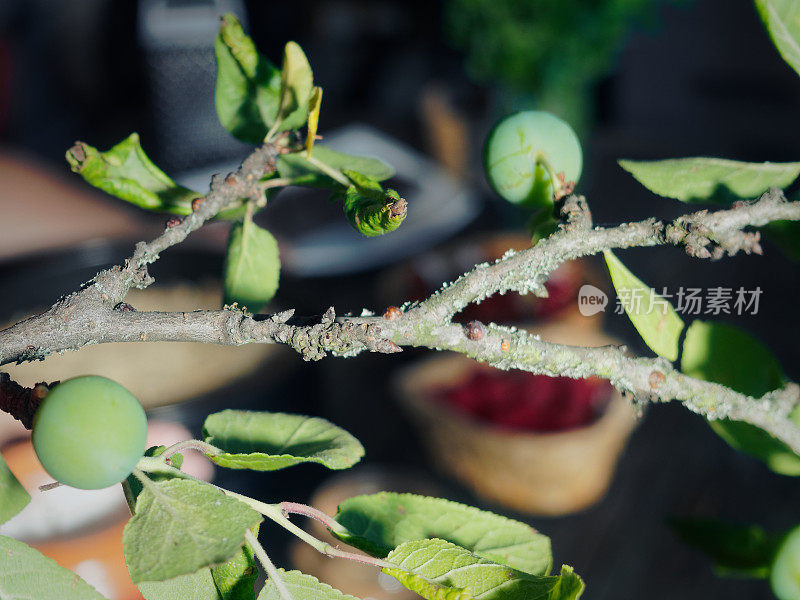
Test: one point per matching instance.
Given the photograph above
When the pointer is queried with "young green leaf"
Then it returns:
(134, 484)
(314, 105)
(13, 497)
(446, 566)
(232, 580)
(26, 573)
(736, 550)
(654, 317)
(302, 587)
(782, 20)
(252, 266)
(236, 579)
(182, 525)
(727, 355)
(297, 81)
(197, 586)
(702, 179)
(377, 523)
(263, 441)
(297, 167)
(248, 88)
(371, 210)
(125, 171)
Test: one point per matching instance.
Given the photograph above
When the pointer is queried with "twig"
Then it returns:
(295, 508)
(276, 514)
(87, 316)
(198, 445)
(21, 402)
(84, 310)
(272, 571)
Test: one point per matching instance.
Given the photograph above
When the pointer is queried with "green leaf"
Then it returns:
(314, 105)
(182, 525)
(373, 212)
(263, 441)
(236, 579)
(785, 235)
(297, 168)
(377, 523)
(252, 266)
(727, 355)
(782, 20)
(302, 587)
(194, 586)
(26, 574)
(248, 87)
(654, 317)
(701, 179)
(297, 81)
(736, 550)
(13, 497)
(125, 171)
(134, 483)
(446, 566)
(232, 580)
(428, 589)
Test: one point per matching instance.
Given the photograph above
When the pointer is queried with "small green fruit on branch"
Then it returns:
(89, 432)
(532, 158)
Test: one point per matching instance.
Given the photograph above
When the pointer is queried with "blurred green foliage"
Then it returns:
(545, 54)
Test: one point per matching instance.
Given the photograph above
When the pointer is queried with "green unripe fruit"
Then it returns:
(785, 576)
(89, 432)
(513, 153)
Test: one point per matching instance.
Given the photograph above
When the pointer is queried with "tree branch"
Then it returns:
(21, 402)
(80, 314)
(94, 314)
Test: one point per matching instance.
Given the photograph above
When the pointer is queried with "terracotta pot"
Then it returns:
(551, 473)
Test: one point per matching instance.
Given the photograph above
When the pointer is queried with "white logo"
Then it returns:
(591, 300)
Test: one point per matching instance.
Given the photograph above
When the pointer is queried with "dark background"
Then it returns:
(703, 79)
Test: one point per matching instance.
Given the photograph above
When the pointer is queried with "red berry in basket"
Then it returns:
(527, 402)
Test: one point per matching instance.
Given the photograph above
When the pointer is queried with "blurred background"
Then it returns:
(418, 84)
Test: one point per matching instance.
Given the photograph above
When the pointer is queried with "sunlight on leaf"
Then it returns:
(700, 179)
(725, 354)
(377, 523)
(654, 317)
(263, 441)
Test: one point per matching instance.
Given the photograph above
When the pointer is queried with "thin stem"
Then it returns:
(277, 182)
(146, 481)
(50, 486)
(198, 445)
(329, 171)
(295, 508)
(129, 499)
(539, 159)
(270, 137)
(275, 513)
(269, 566)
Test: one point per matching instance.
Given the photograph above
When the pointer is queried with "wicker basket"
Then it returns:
(536, 473)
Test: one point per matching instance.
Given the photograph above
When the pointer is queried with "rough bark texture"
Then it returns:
(97, 314)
